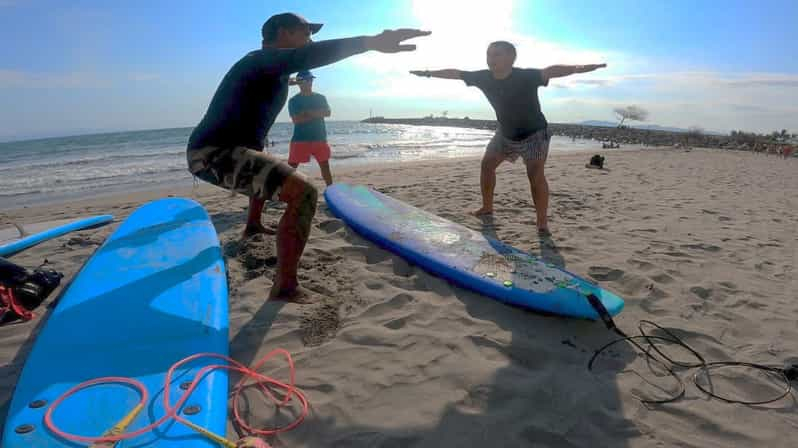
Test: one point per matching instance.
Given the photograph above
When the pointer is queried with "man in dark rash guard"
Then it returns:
(226, 148)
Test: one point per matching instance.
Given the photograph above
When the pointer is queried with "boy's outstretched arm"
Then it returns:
(558, 71)
(449, 73)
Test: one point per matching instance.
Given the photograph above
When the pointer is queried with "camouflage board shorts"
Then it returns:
(534, 147)
(243, 170)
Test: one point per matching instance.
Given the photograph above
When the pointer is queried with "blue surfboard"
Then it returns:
(154, 293)
(464, 256)
(31, 240)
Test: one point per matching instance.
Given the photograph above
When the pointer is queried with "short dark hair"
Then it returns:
(503, 44)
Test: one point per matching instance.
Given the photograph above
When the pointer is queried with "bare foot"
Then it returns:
(296, 294)
(482, 212)
(255, 229)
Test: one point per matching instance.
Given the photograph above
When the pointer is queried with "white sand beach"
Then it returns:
(702, 242)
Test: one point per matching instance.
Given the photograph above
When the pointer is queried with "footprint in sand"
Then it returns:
(331, 225)
(396, 302)
(396, 324)
(373, 285)
(649, 304)
(676, 253)
(323, 255)
(81, 241)
(662, 278)
(704, 293)
(605, 274)
(642, 265)
(702, 246)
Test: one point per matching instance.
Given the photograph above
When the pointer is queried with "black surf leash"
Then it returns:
(784, 374)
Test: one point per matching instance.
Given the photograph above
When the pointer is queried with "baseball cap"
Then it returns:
(305, 74)
(286, 20)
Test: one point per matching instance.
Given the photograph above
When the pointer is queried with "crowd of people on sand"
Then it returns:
(227, 147)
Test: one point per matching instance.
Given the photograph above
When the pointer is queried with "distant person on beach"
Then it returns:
(523, 130)
(308, 110)
(226, 148)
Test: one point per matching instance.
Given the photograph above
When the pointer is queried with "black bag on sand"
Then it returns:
(23, 290)
(597, 161)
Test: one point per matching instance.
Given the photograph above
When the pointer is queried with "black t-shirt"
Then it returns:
(255, 89)
(515, 99)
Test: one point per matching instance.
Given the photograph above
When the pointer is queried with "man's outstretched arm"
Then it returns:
(558, 71)
(449, 73)
(318, 54)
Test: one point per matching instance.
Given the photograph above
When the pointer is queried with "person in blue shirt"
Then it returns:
(308, 110)
(226, 147)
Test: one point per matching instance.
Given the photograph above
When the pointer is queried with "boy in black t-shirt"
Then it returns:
(522, 127)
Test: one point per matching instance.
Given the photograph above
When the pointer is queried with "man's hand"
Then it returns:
(390, 41)
(292, 82)
(424, 73)
(592, 67)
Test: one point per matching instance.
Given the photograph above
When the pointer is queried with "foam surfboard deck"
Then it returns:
(154, 293)
(464, 256)
(17, 243)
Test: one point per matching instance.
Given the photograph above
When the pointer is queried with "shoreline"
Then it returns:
(311, 169)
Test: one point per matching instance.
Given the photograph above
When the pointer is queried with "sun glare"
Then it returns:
(465, 18)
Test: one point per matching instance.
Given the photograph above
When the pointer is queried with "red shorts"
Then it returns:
(300, 152)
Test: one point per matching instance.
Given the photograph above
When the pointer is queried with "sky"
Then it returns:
(71, 67)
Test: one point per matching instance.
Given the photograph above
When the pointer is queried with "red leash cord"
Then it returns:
(262, 382)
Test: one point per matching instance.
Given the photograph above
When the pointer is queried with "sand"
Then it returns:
(702, 242)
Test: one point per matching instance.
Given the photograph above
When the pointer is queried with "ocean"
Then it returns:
(58, 169)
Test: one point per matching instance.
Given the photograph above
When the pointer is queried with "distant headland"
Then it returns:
(615, 135)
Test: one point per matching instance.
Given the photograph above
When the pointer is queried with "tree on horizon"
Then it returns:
(694, 132)
(631, 113)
